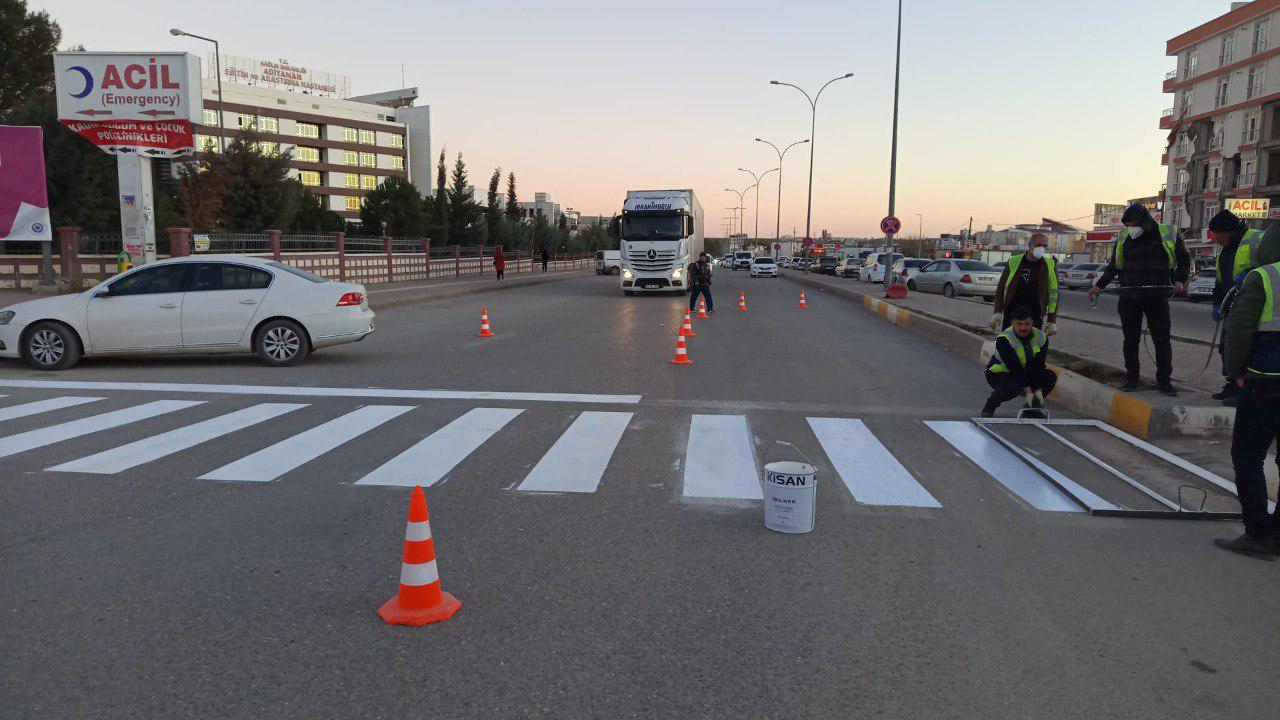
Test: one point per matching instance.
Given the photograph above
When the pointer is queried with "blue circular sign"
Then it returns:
(890, 225)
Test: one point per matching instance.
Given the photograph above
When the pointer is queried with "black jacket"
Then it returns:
(1147, 264)
(700, 273)
(1026, 376)
(1226, 263)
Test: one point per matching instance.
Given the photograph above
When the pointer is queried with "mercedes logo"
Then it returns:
(653, 254)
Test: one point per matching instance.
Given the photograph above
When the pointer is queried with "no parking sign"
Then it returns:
(890, 225)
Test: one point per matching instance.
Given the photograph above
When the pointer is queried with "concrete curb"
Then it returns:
(1082, 395)
(385, 297)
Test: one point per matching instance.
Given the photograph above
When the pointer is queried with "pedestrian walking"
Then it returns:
(1252, 356)
(1152, 264)
(1030, 280)
(1238, 247)
(499, 261)
(1017, 367)
(700, 283)
(545, 258)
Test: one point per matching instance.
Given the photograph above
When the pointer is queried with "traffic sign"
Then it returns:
(777, 246)
(890, 225)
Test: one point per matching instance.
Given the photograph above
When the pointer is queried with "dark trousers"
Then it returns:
(501, 272)
(703, 289)
(1257, 426)
(1156, 310)
(1005, 387)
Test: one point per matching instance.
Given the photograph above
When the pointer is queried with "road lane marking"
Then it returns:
(872, 474)
(124, 457)
(32, 408)
(1003, 465)
(304, 391)
(579, 457)
(41, 437)
(271, 462)
(431, 458)
(719, 461)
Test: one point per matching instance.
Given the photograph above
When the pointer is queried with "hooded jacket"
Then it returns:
(1146, 269)
(1242, 321)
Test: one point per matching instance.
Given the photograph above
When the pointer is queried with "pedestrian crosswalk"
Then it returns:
(716, 457)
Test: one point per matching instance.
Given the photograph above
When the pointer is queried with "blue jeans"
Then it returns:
(1257, 426)
(705, 291)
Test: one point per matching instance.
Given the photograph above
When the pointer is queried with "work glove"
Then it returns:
(1037, 399)
(1051, 328)
(1031, 400)
(1217, 313)
(994, 322)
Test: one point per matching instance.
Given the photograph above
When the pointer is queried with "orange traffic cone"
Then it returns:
(702, 309)
(484, 324)
(682, 353)
(742, 300)
(686, 329)
(802, 303)
(419, 600)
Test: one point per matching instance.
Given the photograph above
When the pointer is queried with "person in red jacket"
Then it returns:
(499, 261)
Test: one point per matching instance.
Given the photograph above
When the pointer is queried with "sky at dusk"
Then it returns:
(1010, 110)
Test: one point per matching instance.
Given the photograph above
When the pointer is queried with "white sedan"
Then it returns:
(191, 305)
(764, 267)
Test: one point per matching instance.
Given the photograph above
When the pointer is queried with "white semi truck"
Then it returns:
(661, 235)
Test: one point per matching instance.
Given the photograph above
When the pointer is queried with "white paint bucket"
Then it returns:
(790, 494)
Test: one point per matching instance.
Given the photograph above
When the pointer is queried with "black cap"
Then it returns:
(1224, 221)
(1136, 214)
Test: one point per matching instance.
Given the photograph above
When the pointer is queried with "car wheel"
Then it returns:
(281, 343)
(949, 290)
(988, 298)
(911, 285)
(51, 346)
(615, 271)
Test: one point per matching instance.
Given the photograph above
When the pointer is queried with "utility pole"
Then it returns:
(893, 152)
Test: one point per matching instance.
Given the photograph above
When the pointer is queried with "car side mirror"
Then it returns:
(104, 292)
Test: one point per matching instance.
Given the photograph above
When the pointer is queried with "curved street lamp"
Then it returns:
(777, 226)
(813, 124)
(740, 207)
(757, 178)
(217, 62)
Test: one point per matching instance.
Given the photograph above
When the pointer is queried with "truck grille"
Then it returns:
(662, 260)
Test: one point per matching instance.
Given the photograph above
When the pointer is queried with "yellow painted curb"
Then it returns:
(1130, 413)
(904, 317)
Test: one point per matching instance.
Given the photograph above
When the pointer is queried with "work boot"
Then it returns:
(1251, 545)
(1128, 385)
(1231, 401)
(1168, 391)
(1228, 390)
(989, 409)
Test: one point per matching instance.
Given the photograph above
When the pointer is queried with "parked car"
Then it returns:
(906, 270)
(190, 305)
(848, 266)
(764, 266)
(1082, 276)
(824, 265)
(1063, 269)
(802, 263)
(1201, 286)
(783, 261)
(608, 262)
(873, 266)
(958, 277)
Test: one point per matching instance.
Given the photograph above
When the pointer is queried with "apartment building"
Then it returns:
(1224, 126)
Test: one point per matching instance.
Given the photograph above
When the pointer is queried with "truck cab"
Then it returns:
(661, 235)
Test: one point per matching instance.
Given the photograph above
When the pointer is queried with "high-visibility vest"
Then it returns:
(1038, 340)
(1015, 262)
(1264, 360)
(1166, 239)
(1246, 257)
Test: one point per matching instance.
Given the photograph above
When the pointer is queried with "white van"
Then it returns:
(742, 260)
(608, 262)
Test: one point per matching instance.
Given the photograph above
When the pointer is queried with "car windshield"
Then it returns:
(296, 271)
(651, 227)
(916, 263)
(827, 261)
(763, 261)
(977, 265)
(1085, 268)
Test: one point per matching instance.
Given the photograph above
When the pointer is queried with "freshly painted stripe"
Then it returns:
(719, 461)
(578, 459)
(303, 391)
(872, 474)
(417, 531)
(1073, 489)
(414, 574)
(271, 462)
(435, 455)
(41, 437)
(39, 406)
(143, 451)
(1002, 465)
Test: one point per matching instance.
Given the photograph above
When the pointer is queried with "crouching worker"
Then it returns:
(1018, 366)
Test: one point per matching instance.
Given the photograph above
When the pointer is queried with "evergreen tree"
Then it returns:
(259, 193)
(313, 217)
(464, 212)
(513, 207)
(441, 205)
(27, 42)
(200, 193)
(493, 218)
(397, 203)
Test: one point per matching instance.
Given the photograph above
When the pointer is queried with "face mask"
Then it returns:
(1037, 252)
(1135, 232)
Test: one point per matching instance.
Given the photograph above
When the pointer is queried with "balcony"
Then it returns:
(1170, 80)
(1169, 117)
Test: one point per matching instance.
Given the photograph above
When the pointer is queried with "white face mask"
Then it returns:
(1135, 231)
(1037, 252)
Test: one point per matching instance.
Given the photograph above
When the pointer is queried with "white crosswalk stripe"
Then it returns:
(1003, 466)
(39, 406)
(579, 458)
(872, 474)
(433, 457)
(133, 454)
(41, 437)
(719, 461)
(272, 462)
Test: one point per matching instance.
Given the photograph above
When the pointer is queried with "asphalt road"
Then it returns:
(648, 588)
(1192, 320)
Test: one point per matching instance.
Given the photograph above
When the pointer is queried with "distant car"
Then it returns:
(1201, 287)
(848, 266)
(742, 260)
(824, 265)
(608, 262)
(958, 277)
(873, 266)
(906, 270)
(784, 261)
(1063, 269)
(764, 266)
(208, 304)
(1082, 276)
(801, 263)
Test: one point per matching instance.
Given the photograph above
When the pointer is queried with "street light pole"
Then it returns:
(757, 178)
(777, 226)
(217, 64)
(893, 152)
(813, 124)
(740, 204)
(920, 227)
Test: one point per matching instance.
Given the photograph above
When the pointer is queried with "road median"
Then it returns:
(402, 293)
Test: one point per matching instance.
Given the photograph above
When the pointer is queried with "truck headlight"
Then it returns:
(6, 316)
(626, 274)
(677, 274)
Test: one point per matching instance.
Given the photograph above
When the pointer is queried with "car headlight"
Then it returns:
(677, 274)
(6, 316)
(626, 274)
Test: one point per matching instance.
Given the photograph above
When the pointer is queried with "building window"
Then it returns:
(210, 117)
(1261, 36)
(397, 141)
(308, 154)
(308, 130)
(397, 162)
(353, 202)
(1188, 97)
(1248, 172)
(1224, 89)
(1183, 148)
(206, 143)
(353, 181)
(368, 159)
(1227, 53)
(267, 147)
(368, 182)
(1252, 124)
(1182, 183)
(1211, 208)
(1213, 180)
(310, 178)
(1257, 79)
(350, 157)
(368, 137)
(349, 134)
(269, 124)
(1215, 140)
(1189, 62)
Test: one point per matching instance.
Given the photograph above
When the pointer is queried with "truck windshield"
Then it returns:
(653, 227)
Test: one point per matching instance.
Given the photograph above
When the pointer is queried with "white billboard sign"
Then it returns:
(1107, 214)
(280, 74)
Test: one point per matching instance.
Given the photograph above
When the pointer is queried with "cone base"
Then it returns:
(896, 292)
(485, 333)
(702, 315)
(688, 334)
(394, 614)
(678, 361)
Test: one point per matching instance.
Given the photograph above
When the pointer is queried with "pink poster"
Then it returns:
(24, 201)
